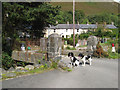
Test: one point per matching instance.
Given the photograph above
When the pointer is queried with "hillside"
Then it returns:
(89, 8)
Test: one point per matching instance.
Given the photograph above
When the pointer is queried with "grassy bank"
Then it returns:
(30, 72)
(42, 69)
(90, 8)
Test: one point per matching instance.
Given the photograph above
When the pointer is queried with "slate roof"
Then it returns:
(79, 26)
(110, 26)
(60, 26)
(65, 26)
(86, 26)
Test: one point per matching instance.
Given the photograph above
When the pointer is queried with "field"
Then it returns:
(90, 8)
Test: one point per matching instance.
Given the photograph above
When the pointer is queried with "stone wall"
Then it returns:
(27, 56)
(49, 49)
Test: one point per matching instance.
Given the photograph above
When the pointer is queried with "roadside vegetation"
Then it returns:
(41, 69)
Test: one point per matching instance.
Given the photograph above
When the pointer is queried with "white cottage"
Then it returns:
(66, 30)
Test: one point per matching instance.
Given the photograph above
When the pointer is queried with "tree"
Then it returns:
(79, 16)
(60, 18)
(65, 16)
(30, 17)
(68, 17)
(99, 32)
(99, 52)
(104, 17)
(84, 35)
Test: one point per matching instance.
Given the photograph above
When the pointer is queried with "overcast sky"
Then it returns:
(117, 1)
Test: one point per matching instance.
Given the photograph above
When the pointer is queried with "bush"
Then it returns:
(69, 70)
(39, 61)
(17, 45)
(84, 36)
(54, 65)
(20, 63)
(45, 66)
(113, 55)
(99, 52)
(43, 57)
(70, 40)
(42, 66)
(7, 61)
(67, 47)
(109, 42)
(118, 50)
(70, 48)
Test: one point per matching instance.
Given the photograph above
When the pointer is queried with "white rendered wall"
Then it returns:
(64, 32)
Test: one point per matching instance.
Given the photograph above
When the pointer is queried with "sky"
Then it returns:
(117, 1)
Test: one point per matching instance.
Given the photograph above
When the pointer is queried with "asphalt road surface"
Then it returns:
(102, 74)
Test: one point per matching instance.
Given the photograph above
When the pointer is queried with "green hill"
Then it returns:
(89, 8)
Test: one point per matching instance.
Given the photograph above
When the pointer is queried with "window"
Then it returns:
(66, 36)
(54, 30)
(66, 30)
(77, 30)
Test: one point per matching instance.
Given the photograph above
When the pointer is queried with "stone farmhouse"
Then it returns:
(66, 30)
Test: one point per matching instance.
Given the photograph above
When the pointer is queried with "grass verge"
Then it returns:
(66, 69)
(30, 72)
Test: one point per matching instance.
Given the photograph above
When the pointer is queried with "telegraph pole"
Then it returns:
(73, 23)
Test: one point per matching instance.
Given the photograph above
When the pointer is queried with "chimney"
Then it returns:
(96, 23)
(112, 23)
(67, 22)
(104, 23)
(78, 22)
(7, 15)
(56, 22)
(87, 23)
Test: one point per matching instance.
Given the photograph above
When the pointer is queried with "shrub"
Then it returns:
(84, 36)
(64, 68)
(70, 48)
(99, 52)
(45, 66)
(42, 66)
(54, 64)
(67, 47)
(20, 63)
(118, 50)
(113, 55)
(69, 70)
(109, 42)
(39, 61)
(70, 40)
(17, 45)
(7, 61)
(43, 57)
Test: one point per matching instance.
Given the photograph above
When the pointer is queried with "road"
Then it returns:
(102, 74)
